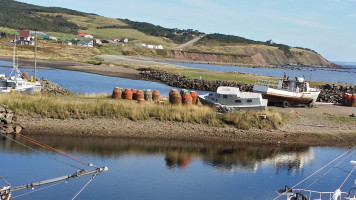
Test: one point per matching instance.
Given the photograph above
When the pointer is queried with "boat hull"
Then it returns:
(205, 101)
(293, 98)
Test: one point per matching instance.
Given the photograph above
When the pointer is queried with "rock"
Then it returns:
(49, 87)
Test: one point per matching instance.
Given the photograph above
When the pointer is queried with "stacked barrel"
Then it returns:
(349, 99)
(183, 97)
(133, 94)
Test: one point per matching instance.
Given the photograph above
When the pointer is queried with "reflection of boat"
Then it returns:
(231, 97)
(15, 82)
(287, 92)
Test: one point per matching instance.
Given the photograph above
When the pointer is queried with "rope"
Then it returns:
(50, 148)
(328, 171)
(85, 186)
(347, 177)
(51, 157)
(36, 190)
(5, 181)
(314, 173)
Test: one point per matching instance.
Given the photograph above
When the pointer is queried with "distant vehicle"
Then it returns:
(287, 92)
(232, 97)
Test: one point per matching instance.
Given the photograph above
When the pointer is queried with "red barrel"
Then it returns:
(348, 100)
(117, 93)
(127, 94)
(194, 97)
(155, 95)
(187, 100)
(353, 100)
(344, 99)
(138, 95)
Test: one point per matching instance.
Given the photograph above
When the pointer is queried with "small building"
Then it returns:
(124, 40)
(53, 38)
(269, 42)
(150, 46)
(85, 35)
(85, 43)
(97, 41)
(159, 47)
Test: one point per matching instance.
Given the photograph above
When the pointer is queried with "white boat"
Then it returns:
(15, 82)
(232, 97)
(287, 92)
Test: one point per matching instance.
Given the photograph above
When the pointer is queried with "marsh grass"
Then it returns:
(82, 107)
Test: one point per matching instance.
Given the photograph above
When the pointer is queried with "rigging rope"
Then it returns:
(335, 166)
(317, 171)
(85, 186)
(51, 148)
(347, 177)
(51, 157)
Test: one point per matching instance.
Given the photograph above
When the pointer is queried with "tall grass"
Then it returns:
(82, 107)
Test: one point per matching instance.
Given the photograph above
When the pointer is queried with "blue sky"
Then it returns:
(326, 26)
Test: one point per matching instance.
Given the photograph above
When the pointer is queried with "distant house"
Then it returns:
(124, 40)
(85, 43)
(85, 35)
(159, 47)
(67, 43)
(150, 46)
(53, 38)
(269, 42)
(24, 38)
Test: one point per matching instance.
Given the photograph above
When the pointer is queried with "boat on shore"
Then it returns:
(233, 98)
(287, 92)
(15, 82)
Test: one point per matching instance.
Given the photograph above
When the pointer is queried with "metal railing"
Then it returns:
(316, 195)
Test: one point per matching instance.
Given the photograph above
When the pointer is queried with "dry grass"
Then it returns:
(81, 107)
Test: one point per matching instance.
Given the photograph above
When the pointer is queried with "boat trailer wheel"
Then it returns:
(285, 104)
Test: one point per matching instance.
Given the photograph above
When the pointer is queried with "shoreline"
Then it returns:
(183, 132)
(310, 127)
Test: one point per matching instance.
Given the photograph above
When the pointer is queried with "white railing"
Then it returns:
(316, 195)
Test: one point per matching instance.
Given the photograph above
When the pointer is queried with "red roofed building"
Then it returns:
(82, 35)
(24, 38)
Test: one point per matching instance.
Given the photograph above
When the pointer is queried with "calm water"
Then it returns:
(347, 75)
(81, 82)
(170, 170)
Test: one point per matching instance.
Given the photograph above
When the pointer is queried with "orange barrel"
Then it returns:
(25, 75)
(117, 93)
(139, 95)
(140, 101)
(348, 99)
(127, 94)
(353, 100)
(174, 97)
(172, 92)
(155, 95)
(187, 100)
(344, 99)
(194, 97)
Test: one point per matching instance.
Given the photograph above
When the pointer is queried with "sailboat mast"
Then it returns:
(35, 56)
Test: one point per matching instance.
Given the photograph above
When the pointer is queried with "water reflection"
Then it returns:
(221, 157)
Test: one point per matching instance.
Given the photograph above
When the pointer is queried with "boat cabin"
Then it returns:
(297, 85)
(231, 96)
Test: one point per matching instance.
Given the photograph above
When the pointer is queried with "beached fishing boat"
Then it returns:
(232, 97)
(15, 82)
(287, 91)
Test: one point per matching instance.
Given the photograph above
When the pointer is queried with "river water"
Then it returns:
(171, 170)
(166, 169)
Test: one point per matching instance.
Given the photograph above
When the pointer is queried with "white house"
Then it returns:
(85, 43)
(150, 46)
(88, 36)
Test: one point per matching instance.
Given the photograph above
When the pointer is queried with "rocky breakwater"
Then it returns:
(49, 87)
(8, 124)
(175, 80)
(333, 93)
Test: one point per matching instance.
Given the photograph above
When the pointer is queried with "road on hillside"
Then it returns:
(191, 42)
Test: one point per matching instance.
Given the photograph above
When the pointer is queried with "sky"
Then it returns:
(326, 26)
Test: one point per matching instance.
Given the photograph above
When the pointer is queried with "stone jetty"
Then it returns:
(8, 122)
(49, 87)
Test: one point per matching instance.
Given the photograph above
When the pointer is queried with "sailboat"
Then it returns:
(15, 81)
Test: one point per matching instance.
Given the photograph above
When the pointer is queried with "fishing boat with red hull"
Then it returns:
(287, 92)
